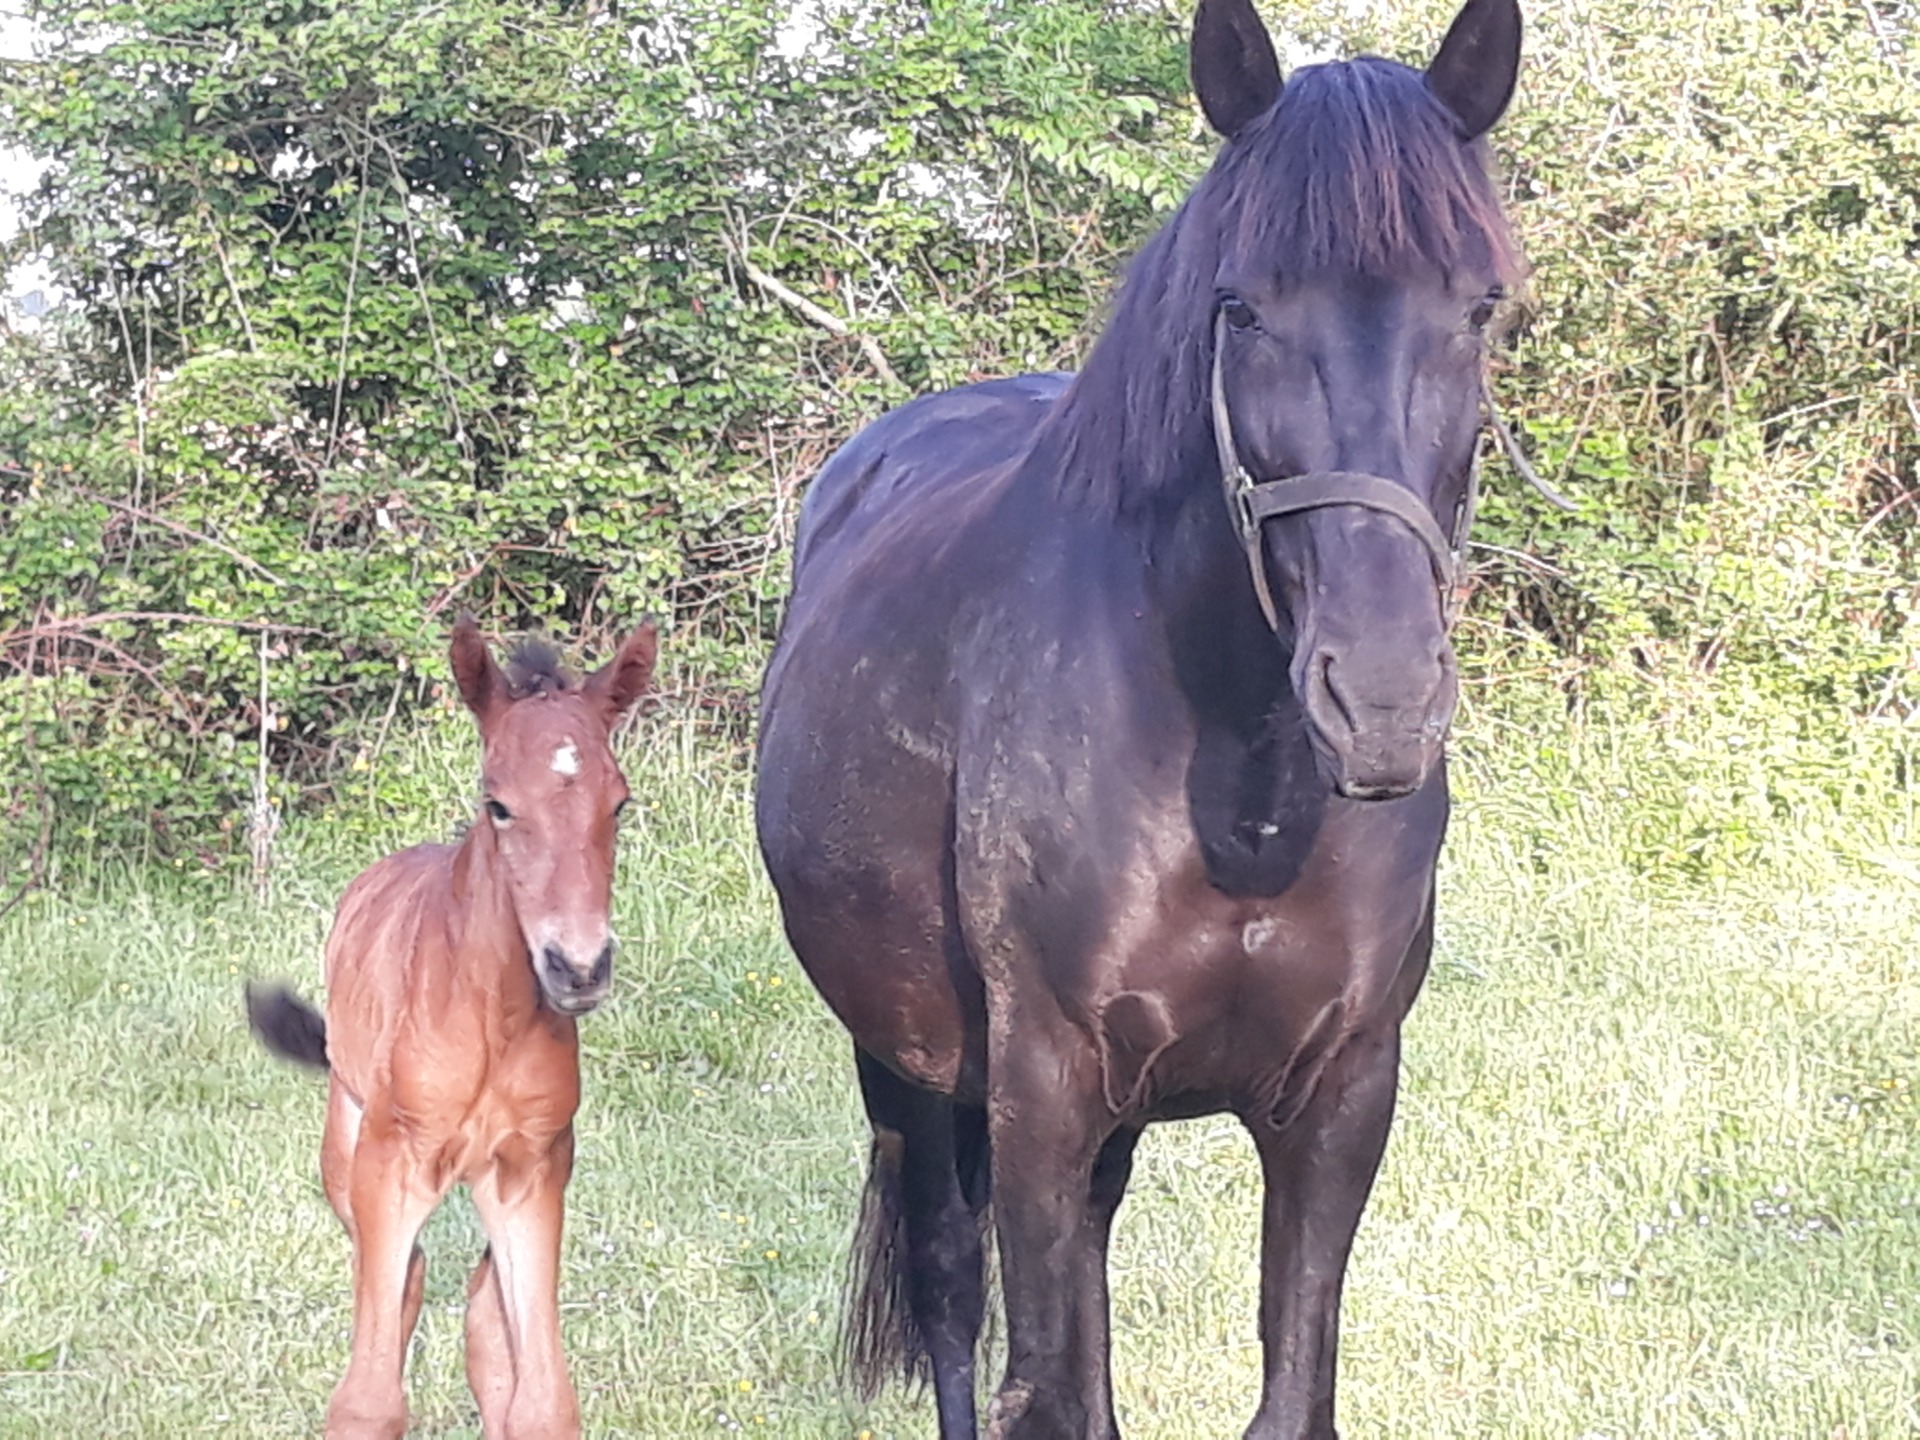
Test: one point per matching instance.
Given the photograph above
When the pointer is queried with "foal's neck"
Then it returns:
(489, 949)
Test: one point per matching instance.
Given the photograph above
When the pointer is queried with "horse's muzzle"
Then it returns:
(1378, 733)
(567, 987)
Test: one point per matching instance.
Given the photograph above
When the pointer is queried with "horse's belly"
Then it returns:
(856, 845)
(873, 936)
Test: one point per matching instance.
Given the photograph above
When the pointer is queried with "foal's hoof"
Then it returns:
(346, 1422)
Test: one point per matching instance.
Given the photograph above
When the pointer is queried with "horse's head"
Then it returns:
(1362, 254)
(552, 795)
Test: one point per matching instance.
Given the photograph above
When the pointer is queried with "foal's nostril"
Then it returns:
(602, 967)
(559, 972)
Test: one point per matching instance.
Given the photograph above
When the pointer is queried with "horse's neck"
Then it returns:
(1203, 588)
(489, 949)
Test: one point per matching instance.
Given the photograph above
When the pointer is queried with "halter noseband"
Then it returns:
(1252, 502)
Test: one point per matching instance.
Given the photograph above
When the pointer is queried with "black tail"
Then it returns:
(287, 1025)
(879, 1339)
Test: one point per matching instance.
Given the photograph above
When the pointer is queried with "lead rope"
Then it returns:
(1515, 455)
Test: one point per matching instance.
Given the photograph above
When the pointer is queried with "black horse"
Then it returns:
(1096, 794)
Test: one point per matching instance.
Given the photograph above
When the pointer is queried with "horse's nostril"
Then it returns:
(1332, 691)
(556, 965)
(602, 966)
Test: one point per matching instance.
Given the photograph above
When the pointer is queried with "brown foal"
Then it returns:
(454, 975)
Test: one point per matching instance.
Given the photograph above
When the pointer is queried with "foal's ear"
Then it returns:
(481, 684)
(619, 683)
(1232, 63)
(1479, 61)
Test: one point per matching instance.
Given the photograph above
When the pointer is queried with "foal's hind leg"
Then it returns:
(930, 1179)
(489, 1350)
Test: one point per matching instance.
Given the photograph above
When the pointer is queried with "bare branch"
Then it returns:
(139, 513)
(43, 628)
(825, 319)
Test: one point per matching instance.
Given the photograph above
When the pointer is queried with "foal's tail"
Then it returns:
(287, 1025)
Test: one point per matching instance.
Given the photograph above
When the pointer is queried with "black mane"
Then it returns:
(1356, 168)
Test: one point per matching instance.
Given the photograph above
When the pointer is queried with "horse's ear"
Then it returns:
(481, 684)
(619, 683)
(1234, 70)
(1479, 61)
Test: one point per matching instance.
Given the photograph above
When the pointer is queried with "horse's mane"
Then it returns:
(1357, 168)
(533, 668)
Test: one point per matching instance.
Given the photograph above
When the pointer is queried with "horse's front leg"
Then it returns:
(386, 1198)
(521, 1208)
(1111, 1171)
(1047, 1121)
(1319, 1170)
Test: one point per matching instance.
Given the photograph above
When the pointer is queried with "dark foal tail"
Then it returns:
(287, 1025)
(879, 1338)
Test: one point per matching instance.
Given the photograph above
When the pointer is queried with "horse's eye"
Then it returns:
(620, 811)
(501, 815)
(1237, 313)
(1484, 307)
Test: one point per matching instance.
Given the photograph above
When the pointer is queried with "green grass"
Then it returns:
(1656, 1171)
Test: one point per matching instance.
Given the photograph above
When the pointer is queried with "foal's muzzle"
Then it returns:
(570, 988)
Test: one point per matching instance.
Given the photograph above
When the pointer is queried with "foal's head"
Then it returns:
(552, 795)
(1361, 255)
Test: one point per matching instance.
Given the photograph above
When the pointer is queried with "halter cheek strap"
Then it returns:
(1252, 502)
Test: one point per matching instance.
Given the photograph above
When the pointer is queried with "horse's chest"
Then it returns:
(1195, 992)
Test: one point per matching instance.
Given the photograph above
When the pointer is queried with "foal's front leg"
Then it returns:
(521, 1203)
(387, 1200)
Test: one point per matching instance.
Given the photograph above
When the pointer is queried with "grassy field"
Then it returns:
(1656, 1172)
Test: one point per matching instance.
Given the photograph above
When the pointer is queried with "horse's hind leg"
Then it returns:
(489, 1351)
(918, 1290)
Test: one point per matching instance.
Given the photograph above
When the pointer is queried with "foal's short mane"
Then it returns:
(533, 668)
(1357, 168)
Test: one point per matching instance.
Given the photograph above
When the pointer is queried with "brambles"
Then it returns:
(376, 315)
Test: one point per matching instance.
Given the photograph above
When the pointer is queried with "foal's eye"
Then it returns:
(1237, 313)
(1484, 307)
(621, 810)
(501, 815)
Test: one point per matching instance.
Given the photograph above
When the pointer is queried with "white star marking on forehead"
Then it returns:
(566, 760)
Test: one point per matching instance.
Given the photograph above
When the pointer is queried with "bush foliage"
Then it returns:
(549, 309)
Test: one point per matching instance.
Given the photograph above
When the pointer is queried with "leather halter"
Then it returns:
(1252, 502)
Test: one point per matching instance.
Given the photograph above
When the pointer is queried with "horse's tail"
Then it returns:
(287, 1025)
(879, 1340)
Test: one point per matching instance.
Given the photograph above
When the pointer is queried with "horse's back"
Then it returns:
(908, 458)
(378, 928)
